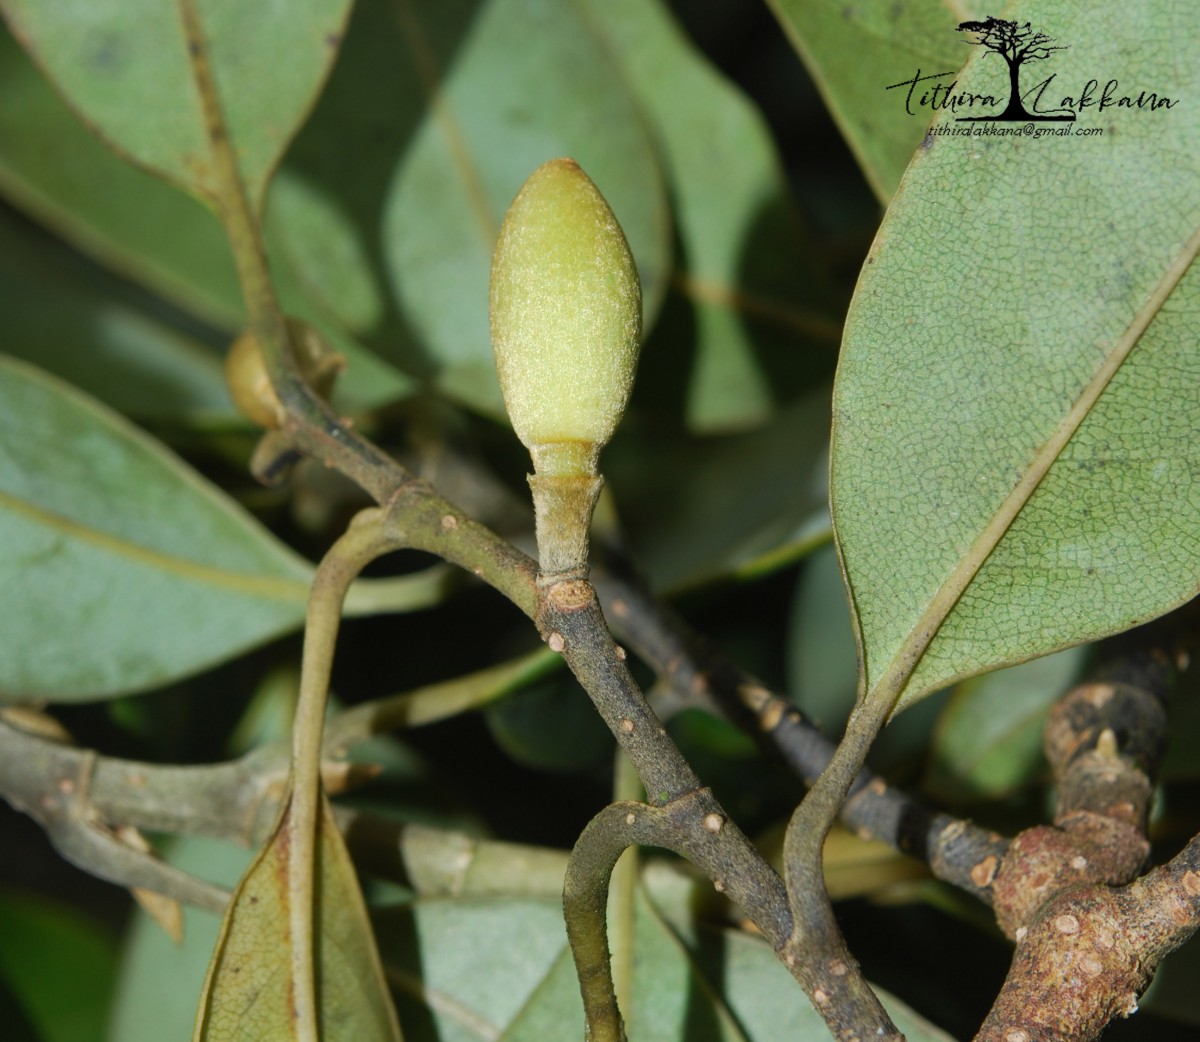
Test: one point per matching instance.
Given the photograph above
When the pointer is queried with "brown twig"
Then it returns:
(1088, 939)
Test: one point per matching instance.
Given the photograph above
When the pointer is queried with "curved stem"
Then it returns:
(585, 909)
(362, 543)
(692, 825)
(310, 425)
(816, 946)
(627, 787)
(691, 822)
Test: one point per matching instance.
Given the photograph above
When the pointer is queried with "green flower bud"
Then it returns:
(566, 310)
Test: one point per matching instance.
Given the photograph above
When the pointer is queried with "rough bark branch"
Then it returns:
(1088, 934)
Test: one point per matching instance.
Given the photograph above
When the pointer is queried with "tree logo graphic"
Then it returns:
(1016, 44)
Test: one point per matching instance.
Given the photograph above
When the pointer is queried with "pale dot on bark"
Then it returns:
(556, 642)
(985, 872)
(627, 726)
(713, 823)
(772, 716)
(1066, 924)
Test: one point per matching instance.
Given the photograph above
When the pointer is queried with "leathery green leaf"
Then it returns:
(1014, 455)
(136, 72)
(59, 173)
(122, 567)
(248, 993)
(855, 52)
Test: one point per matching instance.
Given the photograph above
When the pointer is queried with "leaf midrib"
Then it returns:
(904, 662)
(294, 591)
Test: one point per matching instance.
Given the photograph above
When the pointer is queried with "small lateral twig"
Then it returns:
(1088, 935)
(237, 802)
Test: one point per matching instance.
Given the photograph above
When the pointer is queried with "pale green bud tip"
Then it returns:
(566, 309)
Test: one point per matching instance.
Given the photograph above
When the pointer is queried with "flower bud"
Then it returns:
(566, 314)
(250, 385)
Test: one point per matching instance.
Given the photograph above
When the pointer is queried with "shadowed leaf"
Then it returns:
(134, 71)
(743, 266)
(122, 568)
(723, 512)
(988, 740)
(59, 173)
(391, 199)
(60, 315)
(58, 966)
